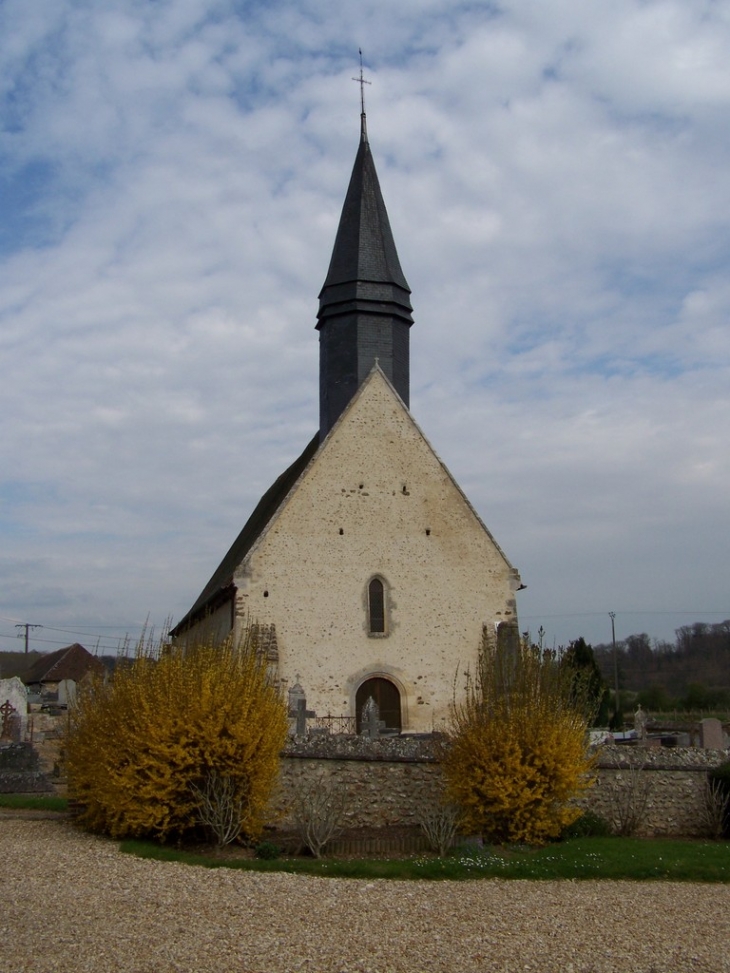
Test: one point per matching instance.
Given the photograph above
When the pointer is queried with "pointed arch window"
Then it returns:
(376, 607)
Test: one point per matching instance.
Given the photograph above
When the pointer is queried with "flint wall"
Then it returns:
(388, 781)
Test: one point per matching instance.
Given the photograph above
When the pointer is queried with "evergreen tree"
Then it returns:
(586, 674)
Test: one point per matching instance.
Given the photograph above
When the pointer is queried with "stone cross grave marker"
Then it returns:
(10, 721)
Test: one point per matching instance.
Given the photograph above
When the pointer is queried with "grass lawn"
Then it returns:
(579, 858)
(34, 802)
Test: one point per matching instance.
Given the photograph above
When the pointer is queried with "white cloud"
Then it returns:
(558, 183)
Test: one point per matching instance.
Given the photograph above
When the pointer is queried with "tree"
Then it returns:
(518, 750)
(701, 653)
(587, 678)
(142, 746)
(655, 699)
(701, 698)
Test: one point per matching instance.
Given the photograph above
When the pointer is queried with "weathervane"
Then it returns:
(362, 82)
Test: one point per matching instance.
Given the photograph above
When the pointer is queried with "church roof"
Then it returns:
(364, 272)
(265, 509)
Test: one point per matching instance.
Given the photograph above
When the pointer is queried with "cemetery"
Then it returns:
(384, 781)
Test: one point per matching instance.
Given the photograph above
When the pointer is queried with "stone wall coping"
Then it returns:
(362, 758)
(423, 748)
(415, 748)
(658, 758)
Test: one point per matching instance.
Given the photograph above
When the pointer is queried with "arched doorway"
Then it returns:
(386, 695)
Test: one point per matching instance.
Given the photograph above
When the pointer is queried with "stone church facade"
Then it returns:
(365, 567)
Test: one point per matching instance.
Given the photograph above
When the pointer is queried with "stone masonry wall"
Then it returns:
(389, 780)
(675, 779)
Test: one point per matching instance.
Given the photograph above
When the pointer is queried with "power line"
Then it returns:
(27, 626)
(83, 628)
(103, 640)
(92, 628)
(88, 633)
(628, 611)
(114, 645)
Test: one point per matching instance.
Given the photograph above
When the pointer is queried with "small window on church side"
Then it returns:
(376, 607)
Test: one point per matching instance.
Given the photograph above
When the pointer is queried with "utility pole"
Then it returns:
(27, 626)
(615, 667)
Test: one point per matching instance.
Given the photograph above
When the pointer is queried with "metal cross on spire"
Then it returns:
(362, 82)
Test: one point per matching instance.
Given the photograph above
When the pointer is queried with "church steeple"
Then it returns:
(364, 305)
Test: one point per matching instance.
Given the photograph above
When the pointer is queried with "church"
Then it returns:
(364, 566)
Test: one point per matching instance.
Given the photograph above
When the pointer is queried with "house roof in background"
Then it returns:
(72, 662)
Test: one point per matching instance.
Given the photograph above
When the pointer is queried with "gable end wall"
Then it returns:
(376, 500)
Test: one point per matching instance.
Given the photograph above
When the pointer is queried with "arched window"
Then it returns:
(386, 695)
(376, 607)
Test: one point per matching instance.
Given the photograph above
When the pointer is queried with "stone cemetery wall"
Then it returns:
(389, 780)
(674, 780)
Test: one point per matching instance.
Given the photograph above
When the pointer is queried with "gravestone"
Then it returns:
(296, 694)
(711, 736)
(19, 770)
(298, 709)
(9, 724)
(13, 691)
(372, 723)
(18, 758)
(640, 721)
(301, 718)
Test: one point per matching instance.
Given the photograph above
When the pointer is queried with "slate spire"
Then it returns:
(364, 306)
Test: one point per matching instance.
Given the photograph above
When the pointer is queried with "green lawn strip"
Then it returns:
(581, 858)
(619, 858)
(33, 802)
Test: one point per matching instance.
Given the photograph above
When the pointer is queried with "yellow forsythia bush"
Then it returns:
(518, 750)
(137, 744)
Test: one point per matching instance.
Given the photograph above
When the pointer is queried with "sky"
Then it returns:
(557, 175)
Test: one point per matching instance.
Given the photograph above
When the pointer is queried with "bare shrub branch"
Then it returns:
(319, 809)
(714, 808)
(629, 799)
(440, 823)
(220, 807)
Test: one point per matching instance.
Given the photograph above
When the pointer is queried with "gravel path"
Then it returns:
(72, 903)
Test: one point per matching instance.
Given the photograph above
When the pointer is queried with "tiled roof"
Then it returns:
(72, 662)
